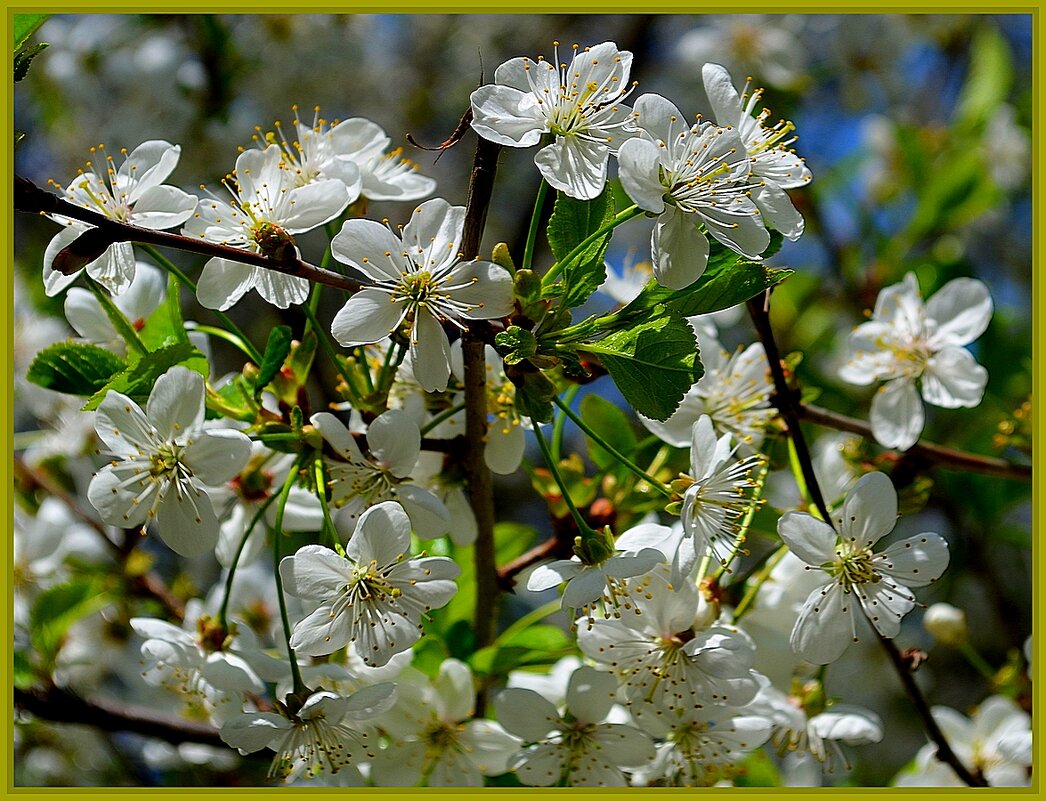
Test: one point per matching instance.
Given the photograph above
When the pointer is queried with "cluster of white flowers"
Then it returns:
(312, 659)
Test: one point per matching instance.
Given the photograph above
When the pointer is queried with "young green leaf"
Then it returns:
(653, 364)
(24, 25)
(137, 380)
(572, 222)
(276, 350)
(75, 368)
(611, 423)
(24, 57)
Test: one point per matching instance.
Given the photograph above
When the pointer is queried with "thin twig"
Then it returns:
(938, 455)
(787, 401)
(31, 198)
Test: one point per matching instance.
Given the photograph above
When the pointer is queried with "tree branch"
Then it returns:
(938, 455)
(473, 346)
(61, 706)
(787, 401)
(31, 198)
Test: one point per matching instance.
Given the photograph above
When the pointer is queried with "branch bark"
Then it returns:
(31, 198)
(473, 346)
(61, 706)
(937, 455)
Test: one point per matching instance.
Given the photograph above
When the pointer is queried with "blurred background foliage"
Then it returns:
(916, 128)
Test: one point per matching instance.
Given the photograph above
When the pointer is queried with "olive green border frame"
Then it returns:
(503, 7)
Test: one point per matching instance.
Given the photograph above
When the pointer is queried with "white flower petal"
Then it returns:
(590, 694)
(223, 282)
(428, 514)
(186, 521)
(368, 316)
(545, 577)
(574, 166)
(176, 403)
(217, 455)
(507, 116)
(54, 281)
(678, 249)
(778, 211)
(726, 103)
(869, 511)
(526, 714)
(810, 539)
(429, 353)
(961, 310)
(395, 441)
(314, 204)
(282, 291)
(314, 573)
(826, 625)
(639, 166)
(953, 379)
(916, 561)
(371, 248)
(162, 207)
(485, 286)
(382, 534)
(897, 414)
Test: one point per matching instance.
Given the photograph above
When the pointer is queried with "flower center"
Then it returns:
(166, 461)
(854, 566)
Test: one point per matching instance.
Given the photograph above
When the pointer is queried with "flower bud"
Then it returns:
(946, 623)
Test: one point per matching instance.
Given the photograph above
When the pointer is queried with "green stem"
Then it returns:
(277, 539)
(328, 348)
(228, 336)
(621, 218)
(558, 429)
(535, 225)
(602, 443)
(361, 359)
(321, 494)
(387, 374)
(224, 611)
(764, 575)
(529, 619)
(442, 417)
(977, 661)
(116, 317)
(177, 272)
(583, 527)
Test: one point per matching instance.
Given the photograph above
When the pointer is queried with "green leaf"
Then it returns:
(512, 539)
(22, 675)
(758, 770)
(729, 279)
(534, 396)
(542, 637)
(25, 25)
(989, 79)
(653, 364)
(24, 57)
(57, 608)
(75, 368)
(516, 344)
(612, 424)
(137, 380)
(276, 350)
(572, 222)
(163, 328)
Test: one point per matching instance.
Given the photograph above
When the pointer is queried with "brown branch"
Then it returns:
(31, 198)
(787, 401)
(148, 584)
(938, 455)
(552, 548)
(473, 346)
(61, 706)
(905, 669)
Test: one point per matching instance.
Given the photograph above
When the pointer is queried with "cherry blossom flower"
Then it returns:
(734, 391)
(161, 460)
(316, 737)
(691, 176)
(714, 504)
(577, 103)
(774, 167)
(357, 482)
(577, 746)
(132, 193)
(434, 735)
(996, 743)
(375, 595)
(671, 653)
(418, 279)
(854, 577)
(267, 208)
(700, 745)
(908, 341)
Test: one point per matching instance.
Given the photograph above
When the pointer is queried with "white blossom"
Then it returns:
(160, 461)
(578, 746)
(908, 341)
(133, 193)
(691, 176)
(774, 166)
(854, 578)
(141, 298)
(267, 208)
(374, 596)
(577, 103)
(418, 279)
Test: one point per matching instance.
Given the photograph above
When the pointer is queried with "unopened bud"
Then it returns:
(946, 623)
